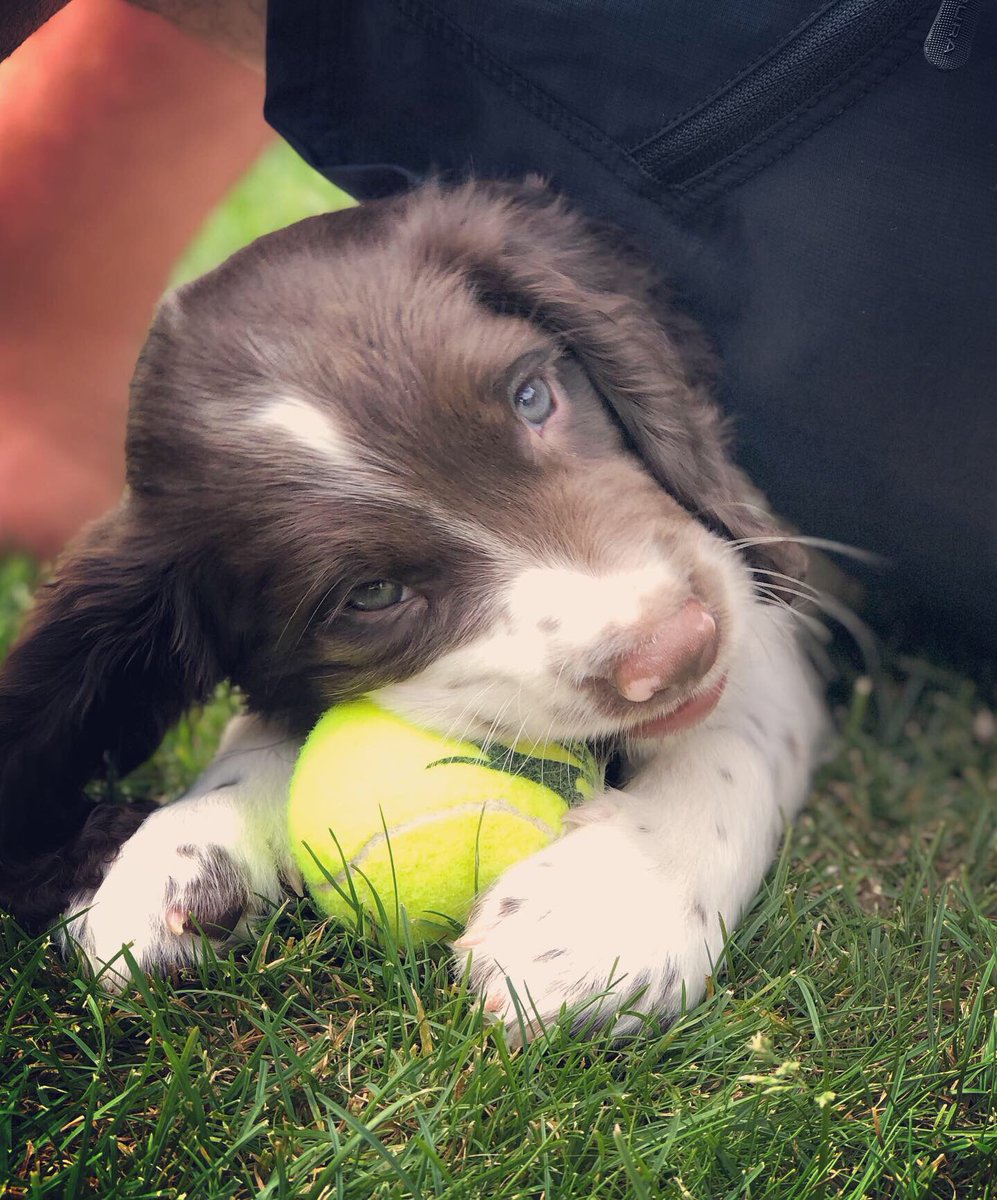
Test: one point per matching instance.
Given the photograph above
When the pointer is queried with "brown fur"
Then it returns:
(230, 557)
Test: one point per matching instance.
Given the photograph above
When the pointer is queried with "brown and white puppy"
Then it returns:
(455, 450)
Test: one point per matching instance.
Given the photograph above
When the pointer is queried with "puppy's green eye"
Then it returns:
(533, 402)
(377, 594)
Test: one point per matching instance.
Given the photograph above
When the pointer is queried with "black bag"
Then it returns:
(822, 195)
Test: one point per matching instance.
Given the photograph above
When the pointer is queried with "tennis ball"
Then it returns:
(379, 807)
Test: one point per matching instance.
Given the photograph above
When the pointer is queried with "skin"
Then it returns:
(120, 134)
(236, 27)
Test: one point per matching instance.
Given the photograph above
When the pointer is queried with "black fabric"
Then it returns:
(822, 197)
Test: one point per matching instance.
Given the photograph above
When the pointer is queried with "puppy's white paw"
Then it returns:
(187, 873)
(592, 922)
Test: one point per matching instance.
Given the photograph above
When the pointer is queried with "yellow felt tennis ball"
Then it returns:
(381, 807)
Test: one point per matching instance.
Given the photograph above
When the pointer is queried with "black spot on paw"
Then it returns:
(792, 745)
(216, 900)
(509, 905)
(669, 978)
(639, 984)
(483, 972)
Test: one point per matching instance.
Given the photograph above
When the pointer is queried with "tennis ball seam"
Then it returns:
(375, 842)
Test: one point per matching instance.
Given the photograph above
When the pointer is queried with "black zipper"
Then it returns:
(826, 47)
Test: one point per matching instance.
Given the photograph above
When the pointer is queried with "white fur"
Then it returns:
(306, 428)
(633, 898)
(555, 626)
(237, 807)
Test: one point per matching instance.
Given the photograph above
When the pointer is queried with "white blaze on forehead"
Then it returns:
(312, 430)
(309, 428)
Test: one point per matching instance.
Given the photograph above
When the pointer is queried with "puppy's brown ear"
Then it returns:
(652, 365)
(113, 652)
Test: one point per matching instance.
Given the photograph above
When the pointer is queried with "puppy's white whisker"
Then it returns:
(842, 548)
(306, 595)
(789, 579)
(859, 631)
(462, 722)
(814, 626)
(492, 734)
(759, 510)
(316, 608)
(784, 589)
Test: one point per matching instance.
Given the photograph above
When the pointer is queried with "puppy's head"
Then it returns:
(450, 448)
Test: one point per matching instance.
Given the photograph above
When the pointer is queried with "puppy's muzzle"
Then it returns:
(680, 652)
(668, 659)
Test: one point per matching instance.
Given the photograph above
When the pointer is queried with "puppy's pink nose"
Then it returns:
(681, 650)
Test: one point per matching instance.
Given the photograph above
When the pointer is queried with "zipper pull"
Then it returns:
(950, 37)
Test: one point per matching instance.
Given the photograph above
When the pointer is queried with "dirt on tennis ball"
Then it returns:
(387, 816)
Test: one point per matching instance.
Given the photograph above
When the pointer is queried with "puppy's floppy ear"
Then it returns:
(113, 652)
(530, 254)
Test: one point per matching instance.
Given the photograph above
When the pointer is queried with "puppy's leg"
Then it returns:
(627, 910)
(206, 864)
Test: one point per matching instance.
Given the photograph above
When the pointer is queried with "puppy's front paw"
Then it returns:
(593, 923)
(169, 887)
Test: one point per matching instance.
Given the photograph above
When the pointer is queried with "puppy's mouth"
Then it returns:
(685, 715)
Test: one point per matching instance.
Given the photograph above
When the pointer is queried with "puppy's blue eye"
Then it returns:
(377, 594)
(533, 402)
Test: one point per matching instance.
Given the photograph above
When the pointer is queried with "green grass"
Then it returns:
(278, 190)
(848, 1049)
